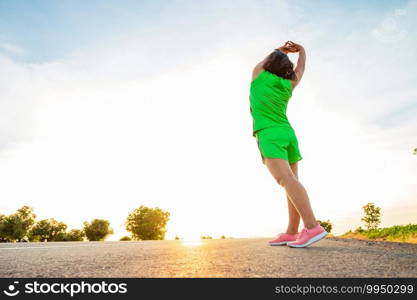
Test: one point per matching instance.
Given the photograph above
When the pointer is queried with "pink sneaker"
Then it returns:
(308, 236)
(283, 239)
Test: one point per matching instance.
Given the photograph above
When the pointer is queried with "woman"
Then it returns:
(273, 81)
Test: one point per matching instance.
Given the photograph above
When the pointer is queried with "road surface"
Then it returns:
(331, 257)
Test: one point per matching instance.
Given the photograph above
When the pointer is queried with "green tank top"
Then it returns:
(269, 96)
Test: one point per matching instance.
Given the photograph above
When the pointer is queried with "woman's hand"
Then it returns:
(287, 48)
(295, 46)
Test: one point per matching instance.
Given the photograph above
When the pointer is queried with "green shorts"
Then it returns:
(278, 142)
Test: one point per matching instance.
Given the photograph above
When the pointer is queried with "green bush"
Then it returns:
(327, 225)
(74, 235)
(394, 232)
(146, 223)
(48, 230)
(359, 230)
(15, 227)
(97, 230)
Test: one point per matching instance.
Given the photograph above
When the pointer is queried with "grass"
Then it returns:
(397, 233)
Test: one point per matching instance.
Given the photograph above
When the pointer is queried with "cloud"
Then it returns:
(13, 49)
(21, 94)
(390, 30)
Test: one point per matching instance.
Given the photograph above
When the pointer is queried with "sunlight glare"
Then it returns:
(192, 244)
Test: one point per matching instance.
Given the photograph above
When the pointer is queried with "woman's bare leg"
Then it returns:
(293, 215)
(283, 174)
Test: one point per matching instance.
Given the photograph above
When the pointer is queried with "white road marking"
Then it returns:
(69, 246)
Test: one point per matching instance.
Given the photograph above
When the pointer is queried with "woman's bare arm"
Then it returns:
(301, 63)
(258, 68)
(261, 63)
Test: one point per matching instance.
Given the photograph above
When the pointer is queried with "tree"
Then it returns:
(147, 223)
(327, 225)
(74, 235)
(126, 238)
(97, 230)
(15, 227)
(206, 237)
(48, 230)
(223, 237)
(2, 233)
(372, 216)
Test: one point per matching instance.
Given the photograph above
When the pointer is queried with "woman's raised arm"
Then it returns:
(301, 64)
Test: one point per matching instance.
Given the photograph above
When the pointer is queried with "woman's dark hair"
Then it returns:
(279, 64)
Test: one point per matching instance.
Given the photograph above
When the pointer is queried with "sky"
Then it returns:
(109, 105)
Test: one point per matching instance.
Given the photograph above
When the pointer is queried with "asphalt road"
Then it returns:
(330, 257)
